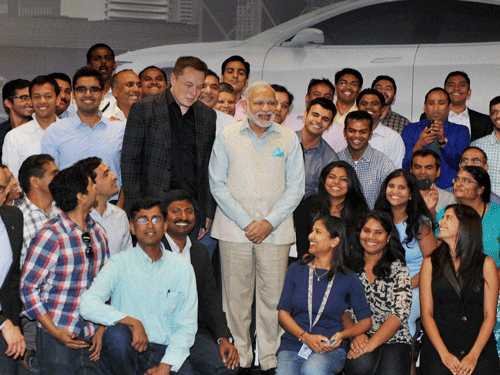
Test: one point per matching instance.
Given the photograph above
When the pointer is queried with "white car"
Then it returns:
(417, 42)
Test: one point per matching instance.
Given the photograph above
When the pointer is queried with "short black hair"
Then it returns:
(212, 73)
(175, 196)
(325, 103)
(483, 180)
(96, 46)
(236, 58)
(62, 76)
(345, 71)
(10, 89)
(423, 152)
(66, 185)
(279, 88)
(457, 73)
(226, 87)
(42, 80)
(86, 71)
(89, 165)
(370, 92)
(144, 203)
(494, 101)
(385, 78)
(437, 89)
(358, 115)
(316, 81)
(32, 166)
(153, 67)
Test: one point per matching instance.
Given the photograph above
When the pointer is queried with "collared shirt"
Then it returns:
(372, 168)
(223, 119)
(239, 111)
(161, 294)
(315, 159)
(117, 227)
(57, 272)
(115, 111)
(395, 121)
(491, 146)
(70, 140)
(185, 253)
(388, 142)
(34, 219)
(341, 118)
(6, 257)
(107, 102)
(461, 118)
(21, 142)
(294, 176)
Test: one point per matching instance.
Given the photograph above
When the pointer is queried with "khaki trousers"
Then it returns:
(247, 267)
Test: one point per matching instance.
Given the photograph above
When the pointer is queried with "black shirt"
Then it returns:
(5, 127)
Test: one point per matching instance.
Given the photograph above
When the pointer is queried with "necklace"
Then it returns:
(317, 276)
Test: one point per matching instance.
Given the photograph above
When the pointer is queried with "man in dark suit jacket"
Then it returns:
(457, 84)
(168, 141)
(206, 357)
(11, 340)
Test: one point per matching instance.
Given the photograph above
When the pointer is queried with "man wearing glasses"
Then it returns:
(89, 133)
(17, 105)
(63, 259)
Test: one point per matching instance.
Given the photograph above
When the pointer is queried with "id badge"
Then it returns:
(305, 351)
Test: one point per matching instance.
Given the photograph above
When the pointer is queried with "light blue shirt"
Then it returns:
(5, 254)
(161, 294)
(294, 175)
(70, 140)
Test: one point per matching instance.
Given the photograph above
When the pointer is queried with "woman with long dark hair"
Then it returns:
(400, 197)
(339, 194)
(459, 293)
(315, 294)
(378, 259)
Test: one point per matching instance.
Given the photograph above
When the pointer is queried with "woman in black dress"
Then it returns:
(458, 299)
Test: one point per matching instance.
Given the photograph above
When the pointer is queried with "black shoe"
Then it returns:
(271, 371)
(244, 371)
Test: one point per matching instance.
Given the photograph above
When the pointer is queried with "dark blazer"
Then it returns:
(480, 124)
(210, 314)
(146, 161)
(10, 297)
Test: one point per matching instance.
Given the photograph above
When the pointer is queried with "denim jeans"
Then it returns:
(390, 359)
(119, 357)
(204, 356)
(329, 363)
(57, 358)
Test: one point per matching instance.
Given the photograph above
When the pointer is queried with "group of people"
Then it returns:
(206, 163)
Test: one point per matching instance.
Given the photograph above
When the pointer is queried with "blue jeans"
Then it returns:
(57, 358)
(204, 356)
(329, 363)
(390, 359)
(119, 357)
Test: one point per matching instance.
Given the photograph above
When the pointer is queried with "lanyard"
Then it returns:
(310, 296)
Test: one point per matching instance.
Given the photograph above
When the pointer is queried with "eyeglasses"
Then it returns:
(465, 180)
(144, 220)
(22, 98)
(89, 252)
(94, 90)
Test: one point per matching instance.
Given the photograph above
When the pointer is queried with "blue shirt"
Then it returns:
(161, 294)
(458, 139)
(347, 290)
(70, 140)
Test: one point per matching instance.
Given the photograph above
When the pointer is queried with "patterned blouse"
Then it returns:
(389, 296)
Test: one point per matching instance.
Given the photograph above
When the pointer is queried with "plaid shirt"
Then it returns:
(56, 272)
(491, 146)
(395, 121)
(34, 219)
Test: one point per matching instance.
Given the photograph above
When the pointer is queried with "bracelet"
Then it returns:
(300, 337)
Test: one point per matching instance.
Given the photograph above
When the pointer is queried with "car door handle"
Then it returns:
(386, 60)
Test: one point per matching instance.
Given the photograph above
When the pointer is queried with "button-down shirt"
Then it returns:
(372, 168)
(57, 272)
(491, 146)
(239, 111)
(6, 257)
(315, 159)
(21, 142)
(161, 294)
(185, 253)
(388, 142)
(115, 111)
(223, 119)
(395, 121)
(117, 227)
(461, 118)
(341, 118)
(294, 175)
(34, 219)
(70, 140)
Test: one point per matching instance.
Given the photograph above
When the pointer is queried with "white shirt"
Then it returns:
(186, 253)
(115, 111)
(461, 119)
(108, 99)
(21, 142)
(223, 119)
(117, 227)
(389, 142)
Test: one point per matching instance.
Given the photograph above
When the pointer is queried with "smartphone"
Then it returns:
(424, 184)
(430, 124)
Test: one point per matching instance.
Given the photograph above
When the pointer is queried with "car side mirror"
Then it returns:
(306, 36)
